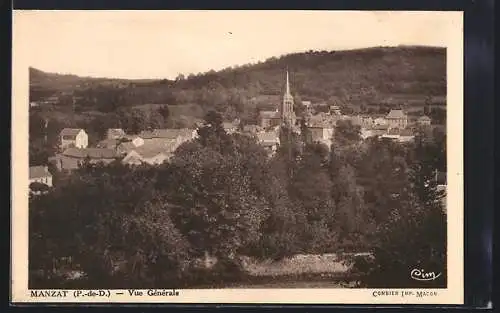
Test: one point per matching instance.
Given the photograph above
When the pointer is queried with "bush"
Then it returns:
(416, 241)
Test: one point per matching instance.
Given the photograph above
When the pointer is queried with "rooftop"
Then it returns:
(70, 131)
(93, 153)
(106, 143)
(116, 132)
(269, 114)
(396, 114)
(268, 138)
(168, 133)
(39, 172)
(149, 151)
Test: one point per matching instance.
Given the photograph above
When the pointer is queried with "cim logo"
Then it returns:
(417, 274)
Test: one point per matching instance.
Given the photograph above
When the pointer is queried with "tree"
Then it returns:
(133, 121)
(216, 208)
(213, 135)
(117, 229)
(347, 133)
(414, 234)
(412, 240)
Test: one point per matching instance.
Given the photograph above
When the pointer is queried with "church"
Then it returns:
(284, 115)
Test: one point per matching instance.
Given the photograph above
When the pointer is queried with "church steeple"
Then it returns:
(287, 114)
(287, 91)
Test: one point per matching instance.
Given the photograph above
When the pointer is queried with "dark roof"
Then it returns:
(70, 131)
(39, 172)
(93, 153)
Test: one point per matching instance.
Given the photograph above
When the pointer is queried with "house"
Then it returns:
(150, 153)
(134, 139)
(335, 110)
(269, 119)
(379, 129)
(230, 128)
(307, 104)
(252, 129)
(73, 137)
(367, 133)
(380, 121)
(127, 144)
(72, 158)
(363, 121)
(171, 138)
(40, 174)
(309, 107)
(115, 133)
(180, 135)
(397, 119)
(392, 133)
(320, 133)
(269, 140)
(424, 120)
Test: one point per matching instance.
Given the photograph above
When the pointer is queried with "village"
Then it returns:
(156, 146)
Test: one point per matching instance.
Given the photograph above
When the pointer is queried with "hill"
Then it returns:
(390, 76)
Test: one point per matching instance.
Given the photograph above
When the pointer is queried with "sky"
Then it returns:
(163, 44)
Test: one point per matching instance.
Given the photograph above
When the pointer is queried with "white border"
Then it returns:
(452, 295)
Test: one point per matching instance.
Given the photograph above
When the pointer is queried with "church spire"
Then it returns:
(287, 114)
(287, 91)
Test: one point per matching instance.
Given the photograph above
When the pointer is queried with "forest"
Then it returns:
(363, 80)
(221, 195)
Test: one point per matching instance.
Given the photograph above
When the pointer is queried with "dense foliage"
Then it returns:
(221, 195)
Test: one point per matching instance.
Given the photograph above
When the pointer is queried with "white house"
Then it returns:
(73, 137)
(320, 131)
(424, 120)
(40, 174)
(397, 119)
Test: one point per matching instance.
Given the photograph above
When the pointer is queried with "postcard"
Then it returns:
(267, 157)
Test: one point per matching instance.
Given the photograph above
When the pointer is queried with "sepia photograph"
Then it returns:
(236, 150)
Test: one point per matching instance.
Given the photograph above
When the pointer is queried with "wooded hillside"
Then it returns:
(392, 76)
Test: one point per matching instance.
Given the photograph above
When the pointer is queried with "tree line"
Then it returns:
(221, 195)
